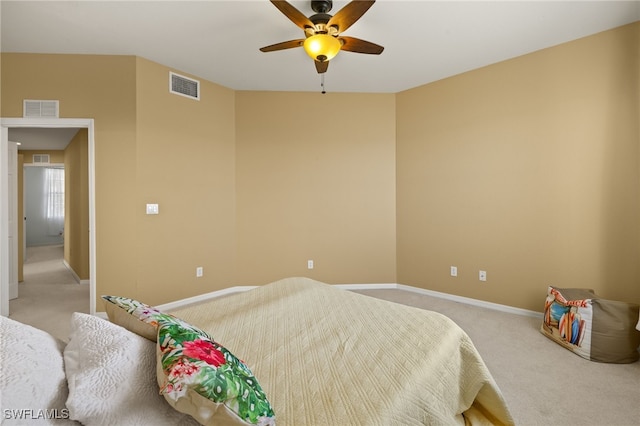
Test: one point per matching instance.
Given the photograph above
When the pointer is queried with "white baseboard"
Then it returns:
(203, 297)
(195, 299)
(447, 296)
(75, 276)
(452, 297)
(390, 286)
(475, 302)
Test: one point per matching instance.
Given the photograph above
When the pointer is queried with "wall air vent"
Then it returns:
(40, 109)
(41, 159)
(184, 86)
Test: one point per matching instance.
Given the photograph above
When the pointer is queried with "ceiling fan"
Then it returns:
(323, 39)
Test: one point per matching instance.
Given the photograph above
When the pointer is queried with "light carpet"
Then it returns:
(543, 383)
(49, 293)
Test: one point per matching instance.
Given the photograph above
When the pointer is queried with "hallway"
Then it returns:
(49, 293)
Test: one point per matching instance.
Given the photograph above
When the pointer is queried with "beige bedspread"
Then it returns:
(326, 356)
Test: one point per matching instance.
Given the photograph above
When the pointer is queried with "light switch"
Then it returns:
(152, 209)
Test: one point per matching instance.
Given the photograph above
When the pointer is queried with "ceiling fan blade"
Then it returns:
(349, 14)
(352, 44)
(321, 67)
(284, 45)
(293, 14)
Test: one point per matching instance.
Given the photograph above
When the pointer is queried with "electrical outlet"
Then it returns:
(309, 264)
(454, 271)
(482, 275)
(199, 271)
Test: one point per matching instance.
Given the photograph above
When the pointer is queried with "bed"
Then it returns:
(320, 356)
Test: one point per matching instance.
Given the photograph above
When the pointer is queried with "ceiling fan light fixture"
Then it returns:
(322, 47)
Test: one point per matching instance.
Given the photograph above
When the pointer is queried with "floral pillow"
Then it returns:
(200, 377)
(135, 316)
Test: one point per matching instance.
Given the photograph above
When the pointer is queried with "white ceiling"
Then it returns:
(219, 40)
(31, 138)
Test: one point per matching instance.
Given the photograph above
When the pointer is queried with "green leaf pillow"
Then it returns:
(133, 315)
(200, 377)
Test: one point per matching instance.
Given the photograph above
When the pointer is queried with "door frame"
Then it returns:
(5, 124)
(12, 215)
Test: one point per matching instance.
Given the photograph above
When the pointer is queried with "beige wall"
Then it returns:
(55, 156)
(149, 147)
(102, 88)
(527, 169)
(76, 204)
(315, 181)
(185, 162)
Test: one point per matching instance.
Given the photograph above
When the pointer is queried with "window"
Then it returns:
(54, 191)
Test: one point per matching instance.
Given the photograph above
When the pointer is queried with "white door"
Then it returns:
(12, 216)
(4, 222)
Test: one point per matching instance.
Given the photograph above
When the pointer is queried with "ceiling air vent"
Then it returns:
(41, 158)
(184, 86)
(41, 109)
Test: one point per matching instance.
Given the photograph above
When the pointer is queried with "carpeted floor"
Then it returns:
(49, 293)
(543, 383)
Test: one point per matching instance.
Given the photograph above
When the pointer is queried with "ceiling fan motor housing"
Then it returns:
(321, 6)
(320, 18)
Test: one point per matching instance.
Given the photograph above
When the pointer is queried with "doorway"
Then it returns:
(5, 125)
(43, 205)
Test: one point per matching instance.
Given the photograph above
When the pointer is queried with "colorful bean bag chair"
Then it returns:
(594, 328)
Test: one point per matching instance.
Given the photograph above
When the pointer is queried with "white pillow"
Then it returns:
(111, 374)
(32, 380)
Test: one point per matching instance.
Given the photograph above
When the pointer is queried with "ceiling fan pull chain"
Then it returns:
(322, 83)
